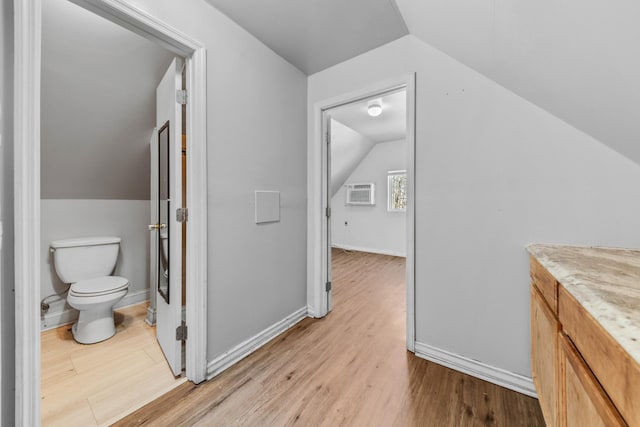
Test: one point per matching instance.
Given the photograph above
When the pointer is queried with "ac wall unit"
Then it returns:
(361, 194)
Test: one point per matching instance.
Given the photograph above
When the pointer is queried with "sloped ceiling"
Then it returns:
(316, 34)
(348, 148)
(577, 59)
(354, 133)
(98, 105)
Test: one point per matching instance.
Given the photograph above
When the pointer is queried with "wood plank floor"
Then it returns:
(93, 385)
(348, 369)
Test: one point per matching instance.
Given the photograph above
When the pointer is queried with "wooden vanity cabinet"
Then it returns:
(569, 393)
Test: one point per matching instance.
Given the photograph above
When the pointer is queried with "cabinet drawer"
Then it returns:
(546, 284)
(544, 356)
(584, 404)
(616, 371)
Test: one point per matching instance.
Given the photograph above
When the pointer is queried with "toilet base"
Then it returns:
(94, 326)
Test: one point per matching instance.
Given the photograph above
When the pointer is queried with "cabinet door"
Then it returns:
(544, 356)
(584, 402)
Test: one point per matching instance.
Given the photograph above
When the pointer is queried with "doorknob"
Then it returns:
(153, 227)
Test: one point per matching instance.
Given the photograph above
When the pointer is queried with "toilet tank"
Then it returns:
(84, 257)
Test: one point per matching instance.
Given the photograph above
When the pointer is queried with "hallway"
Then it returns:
(350, 368)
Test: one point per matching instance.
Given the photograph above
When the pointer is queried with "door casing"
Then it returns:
(27, 59)
(318, 300)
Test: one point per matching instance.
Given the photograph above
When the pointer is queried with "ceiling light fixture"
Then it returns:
(374, 108)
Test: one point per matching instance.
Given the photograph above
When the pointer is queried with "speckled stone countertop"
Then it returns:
(606, 281)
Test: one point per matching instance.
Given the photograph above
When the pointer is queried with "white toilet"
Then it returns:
(86, 263)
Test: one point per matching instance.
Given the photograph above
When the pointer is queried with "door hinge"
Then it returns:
(181, 332)
(327, 212)
(328, 138)
(327, 286)
(182, 214)
(181, 96)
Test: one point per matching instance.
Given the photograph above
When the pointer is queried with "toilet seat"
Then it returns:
(99, 286)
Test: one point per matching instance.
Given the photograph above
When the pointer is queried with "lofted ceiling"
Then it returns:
(390, 125)
(316, 34)
(97, 106)
(576, 59)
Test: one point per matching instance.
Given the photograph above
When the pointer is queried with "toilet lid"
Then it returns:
(99, 286)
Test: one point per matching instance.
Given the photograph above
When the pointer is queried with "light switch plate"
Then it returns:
(267, 206)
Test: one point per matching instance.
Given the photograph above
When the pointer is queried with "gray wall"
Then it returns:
(372, 228)
(64, 219)
(98, 112)
(575, 58)
(256, 141)
(97, 107)
(493, 173)
(7, 312)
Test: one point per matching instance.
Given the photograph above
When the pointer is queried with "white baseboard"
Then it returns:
(506, 379)
(242, 350)
(370, 250)
(150, 319)
(55, 320)
(70, 315)
(312, 313)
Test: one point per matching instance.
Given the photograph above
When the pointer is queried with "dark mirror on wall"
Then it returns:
(163, 210)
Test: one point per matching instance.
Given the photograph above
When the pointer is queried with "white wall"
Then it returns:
(493, 173)
(64, 219)
(372, 228)
(7, 312)
(348, 148)
(256, 128)
(574, 58)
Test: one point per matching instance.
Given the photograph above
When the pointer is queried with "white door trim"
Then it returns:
(317, 177)
(26, 155)
(27, 56)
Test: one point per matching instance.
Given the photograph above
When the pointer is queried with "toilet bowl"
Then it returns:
(94, 299)
(86, 264)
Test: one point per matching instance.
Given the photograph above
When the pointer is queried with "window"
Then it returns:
(397, 191)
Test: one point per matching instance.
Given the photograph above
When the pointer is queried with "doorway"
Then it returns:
(27, 189)
(96, 164)
(367, 192)
(319, 288)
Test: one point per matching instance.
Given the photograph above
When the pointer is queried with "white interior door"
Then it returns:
(328, 192)
(168, 229)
